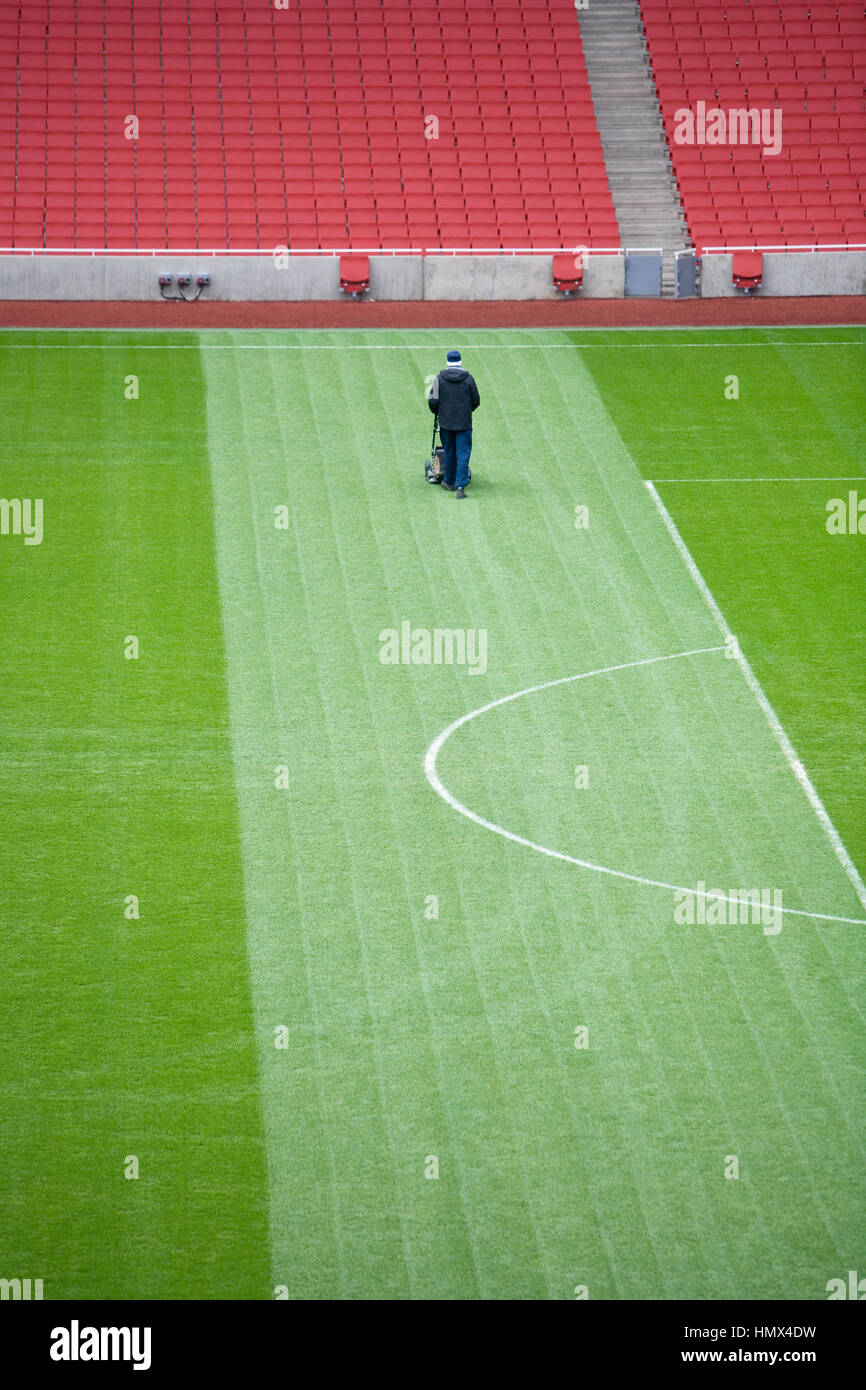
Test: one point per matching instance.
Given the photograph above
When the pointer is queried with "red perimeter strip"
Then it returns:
(540, 313)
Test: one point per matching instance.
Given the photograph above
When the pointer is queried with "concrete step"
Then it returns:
(629, 121)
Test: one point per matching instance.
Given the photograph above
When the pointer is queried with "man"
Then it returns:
(453, 397)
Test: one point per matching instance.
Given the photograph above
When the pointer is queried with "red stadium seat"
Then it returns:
(568, 273)
(747, 270)
(354, 275)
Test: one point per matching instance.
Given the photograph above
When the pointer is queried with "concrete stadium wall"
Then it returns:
(515, 277)
(300, 277)
(135, 277)
(431, 277)
(791, 273)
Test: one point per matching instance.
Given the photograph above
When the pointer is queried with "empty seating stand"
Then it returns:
(802, 68)
(327, 124)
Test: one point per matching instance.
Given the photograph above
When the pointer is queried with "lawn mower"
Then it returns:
(434, 466)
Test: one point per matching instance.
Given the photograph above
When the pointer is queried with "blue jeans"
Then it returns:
(456, 446)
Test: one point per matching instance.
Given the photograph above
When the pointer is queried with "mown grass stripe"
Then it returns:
(558, 1173)
(123, 1035)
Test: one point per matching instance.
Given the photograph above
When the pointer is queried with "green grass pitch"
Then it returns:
(354, 1042)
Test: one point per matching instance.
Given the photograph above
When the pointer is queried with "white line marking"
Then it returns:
(439, 787)
(766, 708)
(365, 347)
(843, 478)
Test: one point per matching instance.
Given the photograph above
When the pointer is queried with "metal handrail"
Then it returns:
(329, 252)
(804, 246)
(281, 250)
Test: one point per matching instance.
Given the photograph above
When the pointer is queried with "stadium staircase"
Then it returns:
(629, 120)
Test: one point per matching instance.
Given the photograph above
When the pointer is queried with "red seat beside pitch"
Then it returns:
(354, 275)
(748, 270)
(568, 272)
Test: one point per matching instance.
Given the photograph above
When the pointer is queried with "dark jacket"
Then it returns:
(453, 397)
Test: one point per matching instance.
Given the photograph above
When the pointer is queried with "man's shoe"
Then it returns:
(461, 492)
(449, 487)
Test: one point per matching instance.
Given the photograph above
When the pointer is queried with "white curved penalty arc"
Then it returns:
(432, 775)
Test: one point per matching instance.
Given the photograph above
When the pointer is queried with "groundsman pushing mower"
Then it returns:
(434, 466)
